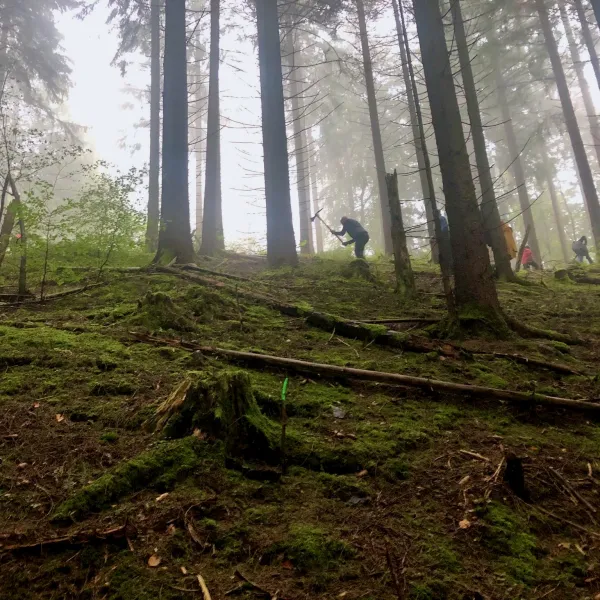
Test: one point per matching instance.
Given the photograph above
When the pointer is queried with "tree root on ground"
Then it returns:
(425, 384)
(537, 332)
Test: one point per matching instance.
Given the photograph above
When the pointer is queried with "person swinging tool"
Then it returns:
(581, 250)
(359, 235)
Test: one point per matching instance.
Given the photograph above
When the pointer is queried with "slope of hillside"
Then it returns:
(388, 492)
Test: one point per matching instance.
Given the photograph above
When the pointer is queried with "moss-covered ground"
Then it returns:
(389, 492)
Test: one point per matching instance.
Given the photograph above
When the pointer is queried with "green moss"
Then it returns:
(508, 537)
(490, 379)
(159, 468)
(395, 469)
(109, 437)
(157, 311)
(310, 548)
(342, 487)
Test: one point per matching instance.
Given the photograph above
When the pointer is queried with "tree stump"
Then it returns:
(222, 406)
(359, 268)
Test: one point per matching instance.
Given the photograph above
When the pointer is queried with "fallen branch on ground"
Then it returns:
(428, 385)
(203, 588)
(198, 269)
(80, 538)
(535, 362)
(55, 296)
(400, 320)
(325, 321)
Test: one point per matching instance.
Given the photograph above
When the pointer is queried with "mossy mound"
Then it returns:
(310, 548)
(159, 468)
(158, 312)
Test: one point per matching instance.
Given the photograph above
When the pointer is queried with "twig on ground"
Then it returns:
(475, 455)
(203, 587)
(567, 484)
(253, 585)
(567, 521)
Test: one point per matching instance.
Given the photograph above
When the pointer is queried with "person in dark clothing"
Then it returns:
(359, 235)
(581, 250)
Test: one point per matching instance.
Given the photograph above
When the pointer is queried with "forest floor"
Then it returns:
(400, 494)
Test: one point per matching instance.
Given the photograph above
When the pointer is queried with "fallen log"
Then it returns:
(400, 320)
(325, 321)
(81, 538)
(197, 269)
(428, 385)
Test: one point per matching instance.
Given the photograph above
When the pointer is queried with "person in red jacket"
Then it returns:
(527, 259)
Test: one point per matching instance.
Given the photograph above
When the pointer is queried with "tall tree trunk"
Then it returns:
(587, 37)
(560, 224)
(375, 130)
(405, 279)
(154, 173)
(474, 285)
(212, 224)
(515, 156)
(281, 245)
(8, 223)
(175, 240)
(420, 143)
(596, 7)
(444, 260)
(199, 132)
(300, 146)
(314, 190)
(588, 103)
(591, 195)
(489, 208)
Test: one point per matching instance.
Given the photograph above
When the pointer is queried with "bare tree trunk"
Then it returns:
(281, 245)
(199, 132)
(375, 130)
(8, 224)
(300, 145)
(587, 179)
(489, 208)
(560, 224)
(588, 103)
(515, 156)
(439, 234)
(596, 6)
(474, 285)
(314, 191)
(420, 143)
(22, 289)
(212, 224)
(405, 280)
(174, 239)
(154, 172)
(586, 34)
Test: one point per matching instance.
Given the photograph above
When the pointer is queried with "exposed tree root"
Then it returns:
(428, 385)
(536, 332)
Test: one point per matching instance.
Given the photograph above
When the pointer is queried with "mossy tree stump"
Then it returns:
(222, 406)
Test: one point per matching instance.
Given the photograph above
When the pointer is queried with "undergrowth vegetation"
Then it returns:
(340, 489)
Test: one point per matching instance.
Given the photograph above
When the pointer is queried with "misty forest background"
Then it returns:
(345, 89)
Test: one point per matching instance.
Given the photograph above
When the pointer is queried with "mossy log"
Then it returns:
(325, 321)
(223, 406)
(537, 332)
(423, 383)
(159, 468)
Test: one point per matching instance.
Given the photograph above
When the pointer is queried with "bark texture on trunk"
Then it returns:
(212, 223)
(444, 260)
(375, 129)
(588, 103)
(314, 185)
(474, 286)
(175, 240)
(420, 143)
(405, 279)
(281, 245)
(154, 171)
(560, 223)
(489, 208)
(8, 223)
(587, 35)
(585, 172)
(200, 93)
(515, 156)
(300, 145)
